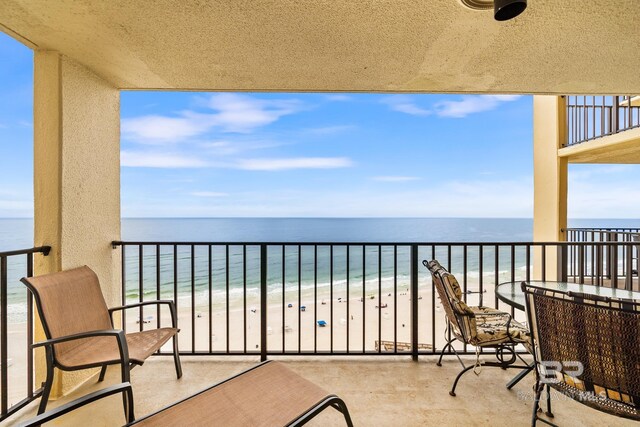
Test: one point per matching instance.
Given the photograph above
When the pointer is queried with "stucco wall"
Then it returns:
(76, 178)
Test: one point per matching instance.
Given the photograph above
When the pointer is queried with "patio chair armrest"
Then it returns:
(171, 304)
(85, 400)
(509, 328)
(469, 292)
(117, 333)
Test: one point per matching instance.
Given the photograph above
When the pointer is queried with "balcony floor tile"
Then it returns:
(389, 391)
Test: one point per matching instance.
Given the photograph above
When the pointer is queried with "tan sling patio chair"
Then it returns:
(80, 332)
(268, 394)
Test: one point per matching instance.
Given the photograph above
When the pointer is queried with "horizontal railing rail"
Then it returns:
(13, 264)
(591, 117)
(337, 298)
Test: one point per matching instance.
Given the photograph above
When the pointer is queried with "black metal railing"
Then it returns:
(590, 117)
(612, 260)
(16, 385)
(611, 234)
(282, 298)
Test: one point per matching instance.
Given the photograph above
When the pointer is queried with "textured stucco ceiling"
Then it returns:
(556, 46)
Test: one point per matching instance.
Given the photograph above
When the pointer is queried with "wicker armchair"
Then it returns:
(587, 347)
(80, 332)
(482, 327)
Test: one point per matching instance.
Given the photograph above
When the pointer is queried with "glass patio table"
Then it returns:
(511, 292)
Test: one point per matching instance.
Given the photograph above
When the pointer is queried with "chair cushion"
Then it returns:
(491, 328)
(454, 292)
(98, 351)
(481, 326)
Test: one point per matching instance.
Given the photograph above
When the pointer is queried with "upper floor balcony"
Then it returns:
(602, 129)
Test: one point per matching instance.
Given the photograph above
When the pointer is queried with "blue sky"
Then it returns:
(336, 155)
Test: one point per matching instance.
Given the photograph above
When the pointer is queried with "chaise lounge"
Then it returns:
(268, 394)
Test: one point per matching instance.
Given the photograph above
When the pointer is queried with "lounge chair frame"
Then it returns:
(125, 388)
(331, 400)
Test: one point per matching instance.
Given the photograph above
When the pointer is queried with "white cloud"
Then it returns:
(295, 163)
(470, 104)
(208, 194)
(242, 113)
(154, 128)
(405, 104)
(338, 97)
(235, 113)
(330, 130)
(159, 160)
(395, 178)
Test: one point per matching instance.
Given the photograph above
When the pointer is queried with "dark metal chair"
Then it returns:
(482, 327)
(587, 347)
(269, 394)
(80, 332)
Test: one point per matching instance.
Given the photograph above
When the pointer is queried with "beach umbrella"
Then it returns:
(322, 323)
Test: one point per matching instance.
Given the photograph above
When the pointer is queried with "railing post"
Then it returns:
(263, 302)
(562, 262)
(612, 259)
(3, 335)
(628, 283)
(29, 330)
(414, 302)
(581, 264)
(615, 114)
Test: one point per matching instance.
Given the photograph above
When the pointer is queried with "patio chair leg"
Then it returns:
(455, 383)
(48, 382)
(515, 380)
(549, 413)
(128, 406)
(536, 404)
(539, 387)
(176, 357)
(342, 407)
(103, 371)
(447, 345)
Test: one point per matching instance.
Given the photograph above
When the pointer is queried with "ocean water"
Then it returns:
(304, 268)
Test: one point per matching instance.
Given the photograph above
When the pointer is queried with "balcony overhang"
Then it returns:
(555, 47)
(623, 148)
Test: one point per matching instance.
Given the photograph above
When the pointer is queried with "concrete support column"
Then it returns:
(76, 179)
(549, 178)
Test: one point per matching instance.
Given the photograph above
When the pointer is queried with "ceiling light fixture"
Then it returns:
(503, 10)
